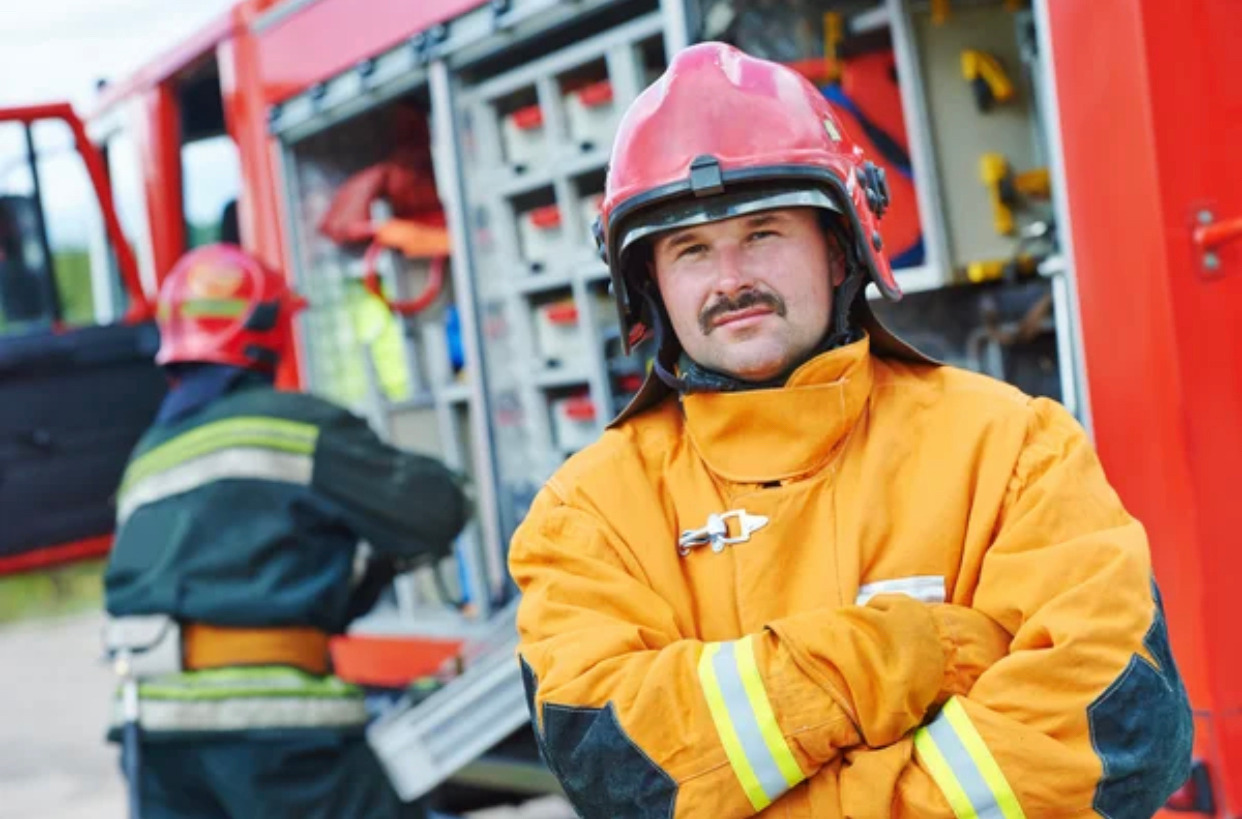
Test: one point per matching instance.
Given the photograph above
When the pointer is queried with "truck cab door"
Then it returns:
(76, 395)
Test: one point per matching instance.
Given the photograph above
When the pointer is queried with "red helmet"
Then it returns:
(722, 134)
(220, 305)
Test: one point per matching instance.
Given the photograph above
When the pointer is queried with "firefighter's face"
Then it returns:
(749, 296)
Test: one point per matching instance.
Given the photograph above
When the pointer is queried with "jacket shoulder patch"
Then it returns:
(604, 774)
(1142, 731)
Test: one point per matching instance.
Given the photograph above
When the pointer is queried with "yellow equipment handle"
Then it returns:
(987, 78)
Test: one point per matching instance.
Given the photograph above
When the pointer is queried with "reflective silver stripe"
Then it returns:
(924, 588)
(248, 432)
(244, 681)
(238, 463)
(746, 723)
(254, 713)
(962, 766)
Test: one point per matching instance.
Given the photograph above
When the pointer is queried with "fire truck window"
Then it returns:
(47, 210)
(70, 210)
(22, 262)
(211, 180)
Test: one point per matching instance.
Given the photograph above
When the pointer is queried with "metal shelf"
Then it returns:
(417, 401)
(455, 394)
(595, 159)
(566, 163)
(553, 377)
(542, 283)
(516, 184)
(544, 176)
(596, 272)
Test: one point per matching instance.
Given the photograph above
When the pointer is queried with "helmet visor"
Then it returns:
(687, 212)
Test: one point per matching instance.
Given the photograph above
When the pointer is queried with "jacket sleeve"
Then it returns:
(638, 718)
(1087, 714)
(407, 506)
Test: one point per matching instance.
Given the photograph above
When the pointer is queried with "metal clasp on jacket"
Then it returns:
(716, 532)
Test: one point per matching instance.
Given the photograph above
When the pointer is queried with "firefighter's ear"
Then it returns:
(838, 261)
(838, 269)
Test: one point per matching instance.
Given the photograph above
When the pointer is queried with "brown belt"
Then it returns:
(205, 646)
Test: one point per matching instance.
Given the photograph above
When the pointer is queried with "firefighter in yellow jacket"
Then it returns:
(809, 573)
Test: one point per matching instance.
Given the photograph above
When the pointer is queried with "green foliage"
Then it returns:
(73, 283)
(199, 235)
(53, 592)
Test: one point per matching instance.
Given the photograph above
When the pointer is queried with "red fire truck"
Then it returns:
(1068, 209)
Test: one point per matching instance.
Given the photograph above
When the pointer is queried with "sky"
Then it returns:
(58, 50)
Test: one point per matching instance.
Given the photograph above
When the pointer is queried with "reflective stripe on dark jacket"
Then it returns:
(248, 512)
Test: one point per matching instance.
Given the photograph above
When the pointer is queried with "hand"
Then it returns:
(972, 643)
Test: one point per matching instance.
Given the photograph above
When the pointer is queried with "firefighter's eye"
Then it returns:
(761, 234)
(691, 251)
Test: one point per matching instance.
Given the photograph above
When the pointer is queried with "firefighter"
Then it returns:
(808, 572)
(239, 518)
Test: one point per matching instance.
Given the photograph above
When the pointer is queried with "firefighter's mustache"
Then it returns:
(744, 301)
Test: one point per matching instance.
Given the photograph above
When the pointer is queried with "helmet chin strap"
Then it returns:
(841, 331)
(844, 294)
(668, 349)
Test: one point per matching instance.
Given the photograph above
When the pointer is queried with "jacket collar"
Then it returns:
(765, 435)
(884, 344)
(193, 386)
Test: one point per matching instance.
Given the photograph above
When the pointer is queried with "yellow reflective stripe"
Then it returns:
(235, 439)
(942, 775)
(768, 726)
(761, 759)
(298, 437)
(236, 463)
(724, 727)
(214, 308)
(269, 433)
(983, 759)
(962, 766)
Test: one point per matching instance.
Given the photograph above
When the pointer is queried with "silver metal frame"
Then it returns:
(445, 138)
(283, 163)
(676, 16)
(936, 268)
(1073, 364)
(423, 745)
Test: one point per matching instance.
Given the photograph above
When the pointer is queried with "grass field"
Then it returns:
(52, 593)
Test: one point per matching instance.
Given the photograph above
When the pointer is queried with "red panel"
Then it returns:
(1228, 780)
(159, 145)
(1151, 116)
(324, 39)
(1197, 122)
(56, 555)
(389, 661)
(260, 205)
(1197, 118)
(1127, 325)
